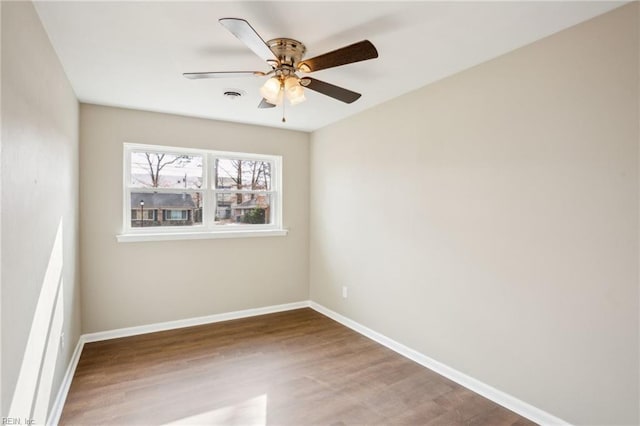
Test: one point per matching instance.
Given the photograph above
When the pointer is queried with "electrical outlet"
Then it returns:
(345, 293)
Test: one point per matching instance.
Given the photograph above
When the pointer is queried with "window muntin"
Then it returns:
(187, 190)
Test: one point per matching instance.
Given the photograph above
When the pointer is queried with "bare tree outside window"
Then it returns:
(200, 191)
(243, 174)
(253, 178)
(163, 170)
(181, 174)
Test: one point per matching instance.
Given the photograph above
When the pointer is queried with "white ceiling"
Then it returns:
(133, 54)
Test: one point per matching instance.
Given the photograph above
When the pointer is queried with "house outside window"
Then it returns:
(182, 190)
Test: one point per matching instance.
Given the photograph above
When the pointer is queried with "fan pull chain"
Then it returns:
(284, 120)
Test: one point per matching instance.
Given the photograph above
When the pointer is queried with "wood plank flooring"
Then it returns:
(291, 368)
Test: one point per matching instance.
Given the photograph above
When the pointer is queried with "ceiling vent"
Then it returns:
(233, 94)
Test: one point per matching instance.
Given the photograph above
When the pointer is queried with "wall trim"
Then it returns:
(56, 410)
(512, 403)
(190, 322)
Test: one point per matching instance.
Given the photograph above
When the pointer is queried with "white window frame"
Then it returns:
(208, 228)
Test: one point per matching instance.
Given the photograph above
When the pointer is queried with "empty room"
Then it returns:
(320, 213)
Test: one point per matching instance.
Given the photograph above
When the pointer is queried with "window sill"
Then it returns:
(203, 235)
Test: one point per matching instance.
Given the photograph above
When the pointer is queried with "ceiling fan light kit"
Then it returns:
(293, 90)
(271, 91)
(277, 88)
(285, 57)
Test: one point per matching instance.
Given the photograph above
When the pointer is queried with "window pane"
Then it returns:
(162, 170)
(242, 174)
(166, 209)
(243, 209)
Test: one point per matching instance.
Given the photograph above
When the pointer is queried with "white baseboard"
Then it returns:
(190, 322)
(56, 410)
(514, 404)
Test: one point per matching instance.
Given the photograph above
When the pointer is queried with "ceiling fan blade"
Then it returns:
(222, 74)
(356, 52)
(336, 92)
(265, 104)
(246, 34)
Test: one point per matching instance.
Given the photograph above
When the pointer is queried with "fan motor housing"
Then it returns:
(287, 50)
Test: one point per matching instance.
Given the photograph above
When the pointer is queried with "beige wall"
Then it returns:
(131, 284)
(39, 193)
(490, 221)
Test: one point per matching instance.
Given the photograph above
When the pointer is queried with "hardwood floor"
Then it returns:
(291, 368)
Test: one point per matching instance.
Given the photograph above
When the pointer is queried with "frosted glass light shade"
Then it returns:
(293, 90)
(271, 90)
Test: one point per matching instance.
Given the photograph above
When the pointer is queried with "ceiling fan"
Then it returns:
(285, 57)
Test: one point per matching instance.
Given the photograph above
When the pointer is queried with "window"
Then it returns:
(180, 191)
(242, 191)
(138, 214)
(176, 214)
